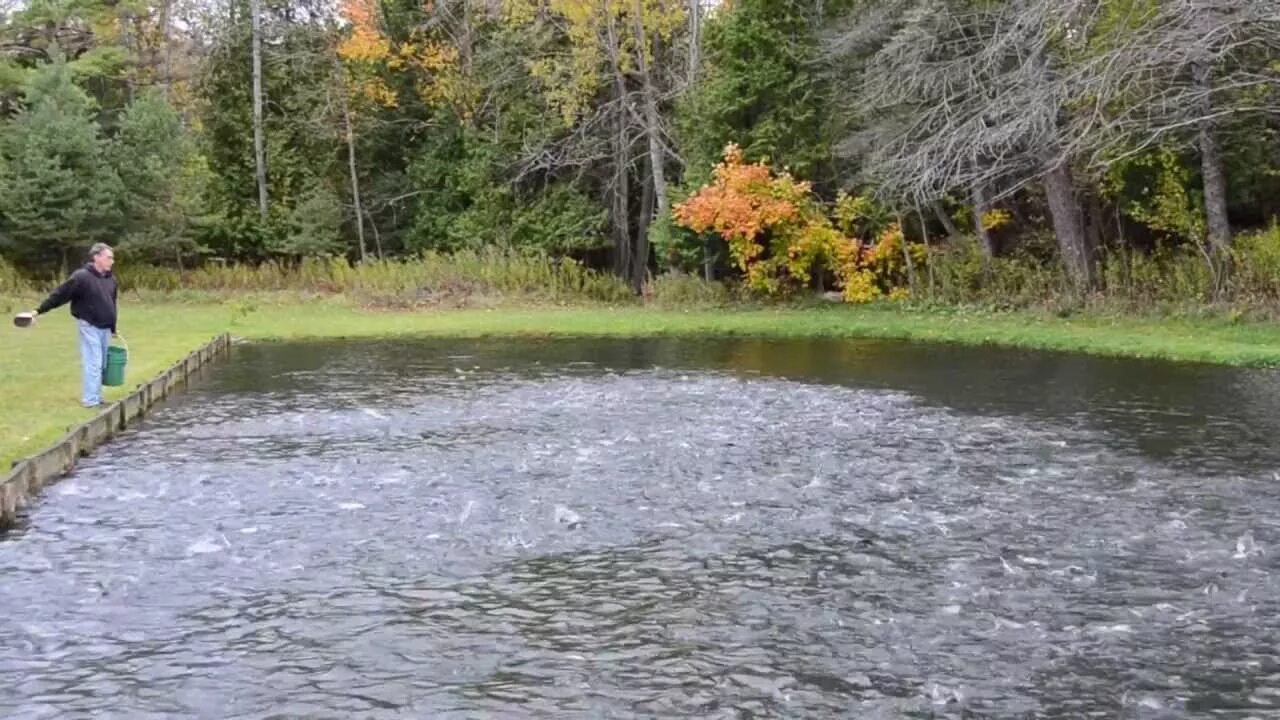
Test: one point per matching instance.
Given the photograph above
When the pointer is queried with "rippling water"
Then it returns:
(660, 529)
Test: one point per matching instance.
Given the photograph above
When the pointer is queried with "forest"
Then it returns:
(1016, 152)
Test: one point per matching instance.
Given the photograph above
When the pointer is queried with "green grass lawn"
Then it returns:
(39, 367)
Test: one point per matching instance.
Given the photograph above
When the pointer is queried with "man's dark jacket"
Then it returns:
(92, 295)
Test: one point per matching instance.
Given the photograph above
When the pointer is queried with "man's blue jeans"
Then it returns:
(93, 358)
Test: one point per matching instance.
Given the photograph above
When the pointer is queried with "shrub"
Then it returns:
(781, 237)
(678, 290)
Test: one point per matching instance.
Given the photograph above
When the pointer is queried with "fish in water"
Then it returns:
(204, 546)
(565, 516)
(1246, 546)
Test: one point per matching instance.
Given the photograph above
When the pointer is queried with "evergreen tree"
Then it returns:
(164, 178)
(761, 89)
(302, 142)
(58, 192)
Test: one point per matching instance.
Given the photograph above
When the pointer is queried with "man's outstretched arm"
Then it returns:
(61, 295)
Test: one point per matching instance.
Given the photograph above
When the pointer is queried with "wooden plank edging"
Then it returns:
(27, 477)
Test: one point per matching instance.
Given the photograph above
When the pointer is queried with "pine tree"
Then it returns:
(58, 192)
(760, 88)
(163, 178)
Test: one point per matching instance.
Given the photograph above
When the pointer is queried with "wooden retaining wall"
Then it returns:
(29, 476)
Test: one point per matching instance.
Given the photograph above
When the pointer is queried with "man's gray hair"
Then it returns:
(97, 249)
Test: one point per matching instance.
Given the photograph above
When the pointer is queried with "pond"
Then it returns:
(662, 528)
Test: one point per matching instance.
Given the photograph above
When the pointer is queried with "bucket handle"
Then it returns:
(122, 341)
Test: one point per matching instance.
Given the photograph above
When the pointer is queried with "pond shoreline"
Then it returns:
(1212, 341)
(20, 486)
(161, 332)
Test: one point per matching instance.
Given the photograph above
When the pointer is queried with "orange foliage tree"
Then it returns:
(775, 229)
(780, 235)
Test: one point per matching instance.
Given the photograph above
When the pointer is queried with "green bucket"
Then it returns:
(113, 371)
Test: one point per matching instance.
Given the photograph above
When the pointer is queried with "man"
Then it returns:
(92, 292)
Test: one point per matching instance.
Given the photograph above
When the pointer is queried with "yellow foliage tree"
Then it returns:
(603, 37)
(365, 52)
(368, 55)
(779, 235)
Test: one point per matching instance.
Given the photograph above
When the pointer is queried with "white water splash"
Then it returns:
(204, 546)
(565, 516)
(1246, 547)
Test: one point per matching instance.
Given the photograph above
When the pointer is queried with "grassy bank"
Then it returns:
(39, 379)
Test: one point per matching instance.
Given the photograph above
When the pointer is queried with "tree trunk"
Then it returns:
(695, 39)
(906, 255)
(377, 236)
(1211, 168)
(622, 205)
(622, 212)
(466, 42)
(1068, 226)
(166, 36)
(652, 121)
(924, 239)
(640, 264)
(981, 206)
(695, 61)
(132, 55)
(259, 153)
(624, 260)
(1215, 206)
(953, 232)
(1215, 189)
(1093, 222)
(351, 162)
(1214, 179)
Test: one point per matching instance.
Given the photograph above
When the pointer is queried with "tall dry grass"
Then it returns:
(463, 278)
